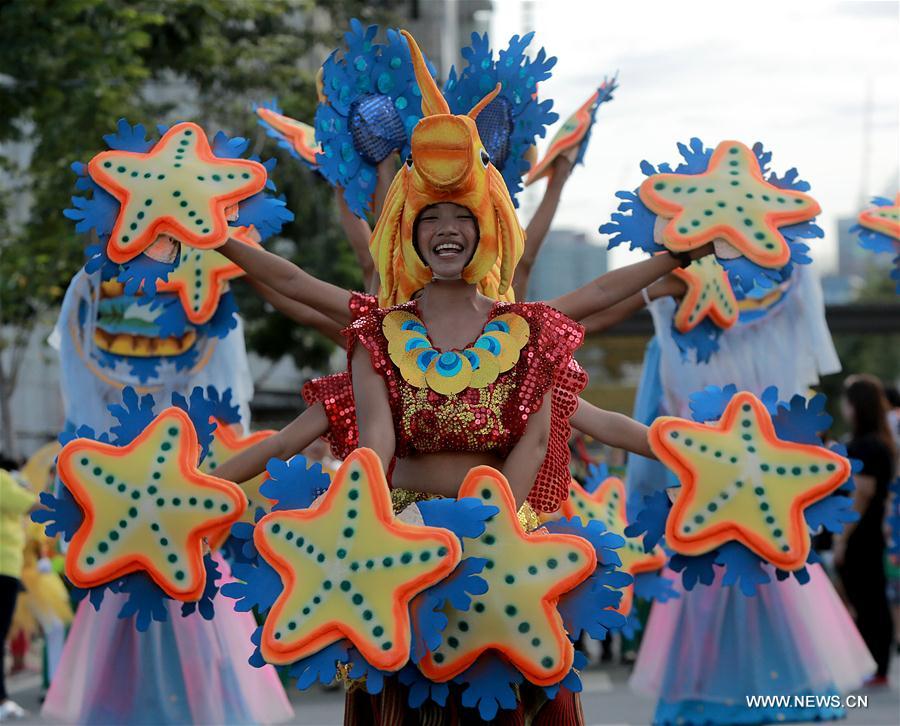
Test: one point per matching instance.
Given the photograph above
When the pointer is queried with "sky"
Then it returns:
(805, 78)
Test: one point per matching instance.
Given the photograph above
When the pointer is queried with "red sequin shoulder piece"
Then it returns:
(560, 337)
(335, 392)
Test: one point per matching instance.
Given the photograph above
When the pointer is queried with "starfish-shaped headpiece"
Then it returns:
(730, 200)
(179, 188)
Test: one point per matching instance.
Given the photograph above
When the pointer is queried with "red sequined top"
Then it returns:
(490, 419)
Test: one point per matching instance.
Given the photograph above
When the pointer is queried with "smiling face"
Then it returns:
(446, 238)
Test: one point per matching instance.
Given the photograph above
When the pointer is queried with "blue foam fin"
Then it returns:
(422, 689)
(710, 403)
(62, 515)
(129, 138)
(742, 568)
(206, 604)
(695, 569)
(464, 517)
(201, 412)
(489, 686)
(320, 667)
(594, 531)
(292, 485)
(146, 602)
(802, 420)
(650, 520)
(571, 681)
(133, 416)
(590, 607)
(256, 587)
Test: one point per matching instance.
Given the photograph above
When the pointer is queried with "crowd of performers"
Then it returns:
(437, 556)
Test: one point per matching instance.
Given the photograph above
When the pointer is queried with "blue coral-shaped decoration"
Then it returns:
(510, 124)
(633, 224)
(800, 420)
(62, 515)
(372, 103)
(879, 242)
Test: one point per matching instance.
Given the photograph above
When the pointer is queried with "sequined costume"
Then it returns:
(491, 418)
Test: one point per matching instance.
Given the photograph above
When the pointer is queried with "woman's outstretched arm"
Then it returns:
(289, 280)
(540, 223)
(613, 429)
(292, 439)
(605, 291)
(668, 286)
(358, 233)
(300, 313)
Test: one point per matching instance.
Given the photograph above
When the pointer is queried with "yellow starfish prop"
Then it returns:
(885, 220)
(349, 569)
(177, 188)
(740, 482)
(201, 277)
(526, 574)
(607, 504)
(730, 200)
(146, 507)
(709, 295)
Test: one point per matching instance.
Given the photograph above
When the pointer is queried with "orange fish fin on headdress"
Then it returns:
(479, 107)
(512, 237)
(433, 101)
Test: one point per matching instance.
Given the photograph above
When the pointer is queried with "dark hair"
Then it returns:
(893, 396)
(865, 394)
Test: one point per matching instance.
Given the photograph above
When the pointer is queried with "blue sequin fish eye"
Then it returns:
(376, 127)
(495, 127)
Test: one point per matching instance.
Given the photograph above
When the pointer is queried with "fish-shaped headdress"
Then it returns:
(448, 163)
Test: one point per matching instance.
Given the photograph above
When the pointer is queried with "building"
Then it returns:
(567, 260)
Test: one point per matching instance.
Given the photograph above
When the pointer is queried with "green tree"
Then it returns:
(877, 355)
(70, 68)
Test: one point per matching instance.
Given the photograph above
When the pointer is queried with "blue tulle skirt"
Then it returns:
(704, 653)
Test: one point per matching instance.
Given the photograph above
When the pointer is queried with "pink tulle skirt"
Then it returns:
(185, 670)
(716, 645)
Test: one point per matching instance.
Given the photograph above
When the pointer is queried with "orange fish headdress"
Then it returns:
(448, 163)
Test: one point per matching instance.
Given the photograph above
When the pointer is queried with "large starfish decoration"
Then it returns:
(349, 569)
(885, 220)
(300, 136)
(709, 295)
(177, 188)
(526, 575)
(740, 482)
(228, 442)
(201, 277)
(730, 200)
(146, 507)
(607, 504)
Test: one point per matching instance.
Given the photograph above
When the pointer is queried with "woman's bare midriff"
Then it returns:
(440, 473)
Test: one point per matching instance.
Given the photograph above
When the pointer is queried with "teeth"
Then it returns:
(448, 247)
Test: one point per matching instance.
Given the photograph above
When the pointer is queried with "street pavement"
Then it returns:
(606, 699)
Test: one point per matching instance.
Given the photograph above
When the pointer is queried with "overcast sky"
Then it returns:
(794, 75)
